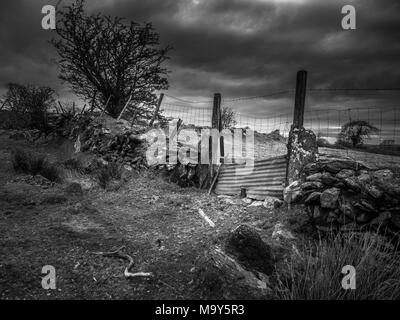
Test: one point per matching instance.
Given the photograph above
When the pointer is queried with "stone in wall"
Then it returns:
(344, 194)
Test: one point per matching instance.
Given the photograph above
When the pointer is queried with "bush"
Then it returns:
(74, 164)
(316, 272)
(28, 105)
(111, 171)
(26, 162)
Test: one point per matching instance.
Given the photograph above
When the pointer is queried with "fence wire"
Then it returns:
(327, 123)
(196, 113)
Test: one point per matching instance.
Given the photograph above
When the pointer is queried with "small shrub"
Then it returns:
(111, 171)
(315, 273)
(74, 164)
(27, 162)
(50, 172)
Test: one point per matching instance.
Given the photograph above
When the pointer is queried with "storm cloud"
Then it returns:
(240, 48)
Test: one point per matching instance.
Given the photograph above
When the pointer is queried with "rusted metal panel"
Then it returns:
(266, 178)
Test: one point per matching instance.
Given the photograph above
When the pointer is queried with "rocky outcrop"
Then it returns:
(346, 194)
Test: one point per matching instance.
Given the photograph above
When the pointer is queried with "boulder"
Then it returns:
(329, 198)
(219, 276)
(246, 245)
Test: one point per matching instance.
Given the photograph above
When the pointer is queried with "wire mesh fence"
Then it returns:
(196, 113)
(327, 123)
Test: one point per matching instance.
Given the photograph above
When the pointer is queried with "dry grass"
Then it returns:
(111, 171)
(27, 162)
(315, 273)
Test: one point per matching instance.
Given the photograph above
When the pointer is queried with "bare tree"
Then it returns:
(228, 118)
(109, 58)
(355, 132)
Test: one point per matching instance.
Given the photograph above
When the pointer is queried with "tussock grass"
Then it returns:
(315, 271)
(106, 174)
(27, 162)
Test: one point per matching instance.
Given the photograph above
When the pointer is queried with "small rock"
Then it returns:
(272, 202)
(364, 178)
(374, 192)
(329, 198)
(345, 173)
(314, 177)
(281, 232)
(247, 200)
(328, 179)
(383, 175)
(364, 206)
(363, 217)
(312, 185)
(313, 198)
(352, 184)
(256, 204)
(316, 212)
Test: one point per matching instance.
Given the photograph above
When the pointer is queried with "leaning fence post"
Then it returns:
(160, 99)
(216, 123)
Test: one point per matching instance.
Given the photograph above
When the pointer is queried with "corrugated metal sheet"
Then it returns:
(266, 179)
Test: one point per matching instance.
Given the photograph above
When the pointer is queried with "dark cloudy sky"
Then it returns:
(237, 47)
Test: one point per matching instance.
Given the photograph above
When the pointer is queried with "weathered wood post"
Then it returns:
(216, 123)
(160, 99)
(300, 99)
(302, 143)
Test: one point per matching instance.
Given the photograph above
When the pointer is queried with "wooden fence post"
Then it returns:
(301, 86)
(216, 123)
(160, 99)
(302, 143)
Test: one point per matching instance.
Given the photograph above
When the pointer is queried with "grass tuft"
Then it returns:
(27, 162)
(316, 271)
(111, 171)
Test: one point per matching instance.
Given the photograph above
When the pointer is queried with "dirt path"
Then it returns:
(157, 221)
